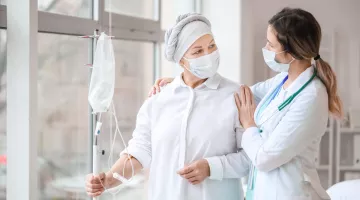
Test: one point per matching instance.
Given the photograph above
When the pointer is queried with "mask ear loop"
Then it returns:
(184, 64)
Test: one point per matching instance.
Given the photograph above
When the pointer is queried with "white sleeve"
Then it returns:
(304, 122)
(260, 89)
(140, 144)
(233, 165)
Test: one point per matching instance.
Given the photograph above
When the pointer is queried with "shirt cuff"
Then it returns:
(216, 168)
(142, 157)
(251, 142)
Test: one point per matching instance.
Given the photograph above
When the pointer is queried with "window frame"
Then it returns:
(124, 27)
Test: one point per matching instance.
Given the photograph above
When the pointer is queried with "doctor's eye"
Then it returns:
(212, 46)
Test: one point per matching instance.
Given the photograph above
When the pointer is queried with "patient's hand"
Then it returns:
(159, 83)
(196, 172)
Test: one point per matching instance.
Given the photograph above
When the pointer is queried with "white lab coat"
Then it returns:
(284, 153)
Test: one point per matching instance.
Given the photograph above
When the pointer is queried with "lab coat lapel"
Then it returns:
(294, 87)
(259, 120)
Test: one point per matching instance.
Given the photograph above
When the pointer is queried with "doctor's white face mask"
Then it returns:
(102, 82)
(205, 66)
(269, 58)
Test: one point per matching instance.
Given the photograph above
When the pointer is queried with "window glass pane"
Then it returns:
(78, 8)
(2, 114)
(168, 13)
(134, 77)
(136, 8)
(168, 69)
(63, 116)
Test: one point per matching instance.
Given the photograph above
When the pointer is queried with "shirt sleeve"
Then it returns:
(303, 123)
(233, 165)
(140, 144)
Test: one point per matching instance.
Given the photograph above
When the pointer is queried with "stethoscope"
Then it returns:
(289, 99)
(279, 109)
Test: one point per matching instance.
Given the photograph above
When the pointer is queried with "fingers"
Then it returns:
(94, 191)
(185, 170)
(94, 194)
(248, 96)
(189, 175)
(152, 91)
(157, 88)
(93, 185)
(196, 182)
(237, 100)
(242, 96)
(163, 83)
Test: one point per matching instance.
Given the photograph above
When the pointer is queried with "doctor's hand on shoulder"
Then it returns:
(246, 106)
(196, 172)
(161, 82)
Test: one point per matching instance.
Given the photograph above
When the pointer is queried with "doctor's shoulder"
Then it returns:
(315, 93)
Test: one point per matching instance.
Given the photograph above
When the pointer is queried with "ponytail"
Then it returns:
(328, 77)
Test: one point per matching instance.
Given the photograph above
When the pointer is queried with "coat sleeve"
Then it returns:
(260, 89)
(304, 122)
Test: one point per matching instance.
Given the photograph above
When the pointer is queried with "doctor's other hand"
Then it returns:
(159, 83)
(93, 185)
(196, 172)
(245, 104)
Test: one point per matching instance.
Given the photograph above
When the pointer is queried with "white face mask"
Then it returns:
(204, 66)
(102, 81)
(269, 58)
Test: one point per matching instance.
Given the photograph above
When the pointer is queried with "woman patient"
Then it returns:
(189, 134)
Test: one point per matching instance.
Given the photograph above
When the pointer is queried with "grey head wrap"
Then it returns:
(183, 34)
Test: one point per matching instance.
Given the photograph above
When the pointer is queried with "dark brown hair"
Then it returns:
(300, 35)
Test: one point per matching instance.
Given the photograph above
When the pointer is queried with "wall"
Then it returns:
(232, 27)
(335, 17)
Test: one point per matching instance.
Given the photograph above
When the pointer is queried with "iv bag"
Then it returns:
(102, 81)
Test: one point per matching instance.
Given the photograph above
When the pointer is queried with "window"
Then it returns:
(63, 116)
(2, 114)
(79, 8)
(168, 13)
(135, 8)
(134, 76)
(63, 126)
(168, 69)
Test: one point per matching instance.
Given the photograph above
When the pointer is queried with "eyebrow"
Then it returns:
(198, 47)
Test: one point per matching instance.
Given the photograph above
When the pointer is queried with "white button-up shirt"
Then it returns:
(181, 125)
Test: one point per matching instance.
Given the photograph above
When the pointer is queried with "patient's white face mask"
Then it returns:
(205, 66)
(102, 82)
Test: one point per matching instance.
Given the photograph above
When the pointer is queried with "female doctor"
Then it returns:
(283, 133)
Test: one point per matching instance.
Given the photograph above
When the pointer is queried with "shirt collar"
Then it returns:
(211, 83)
